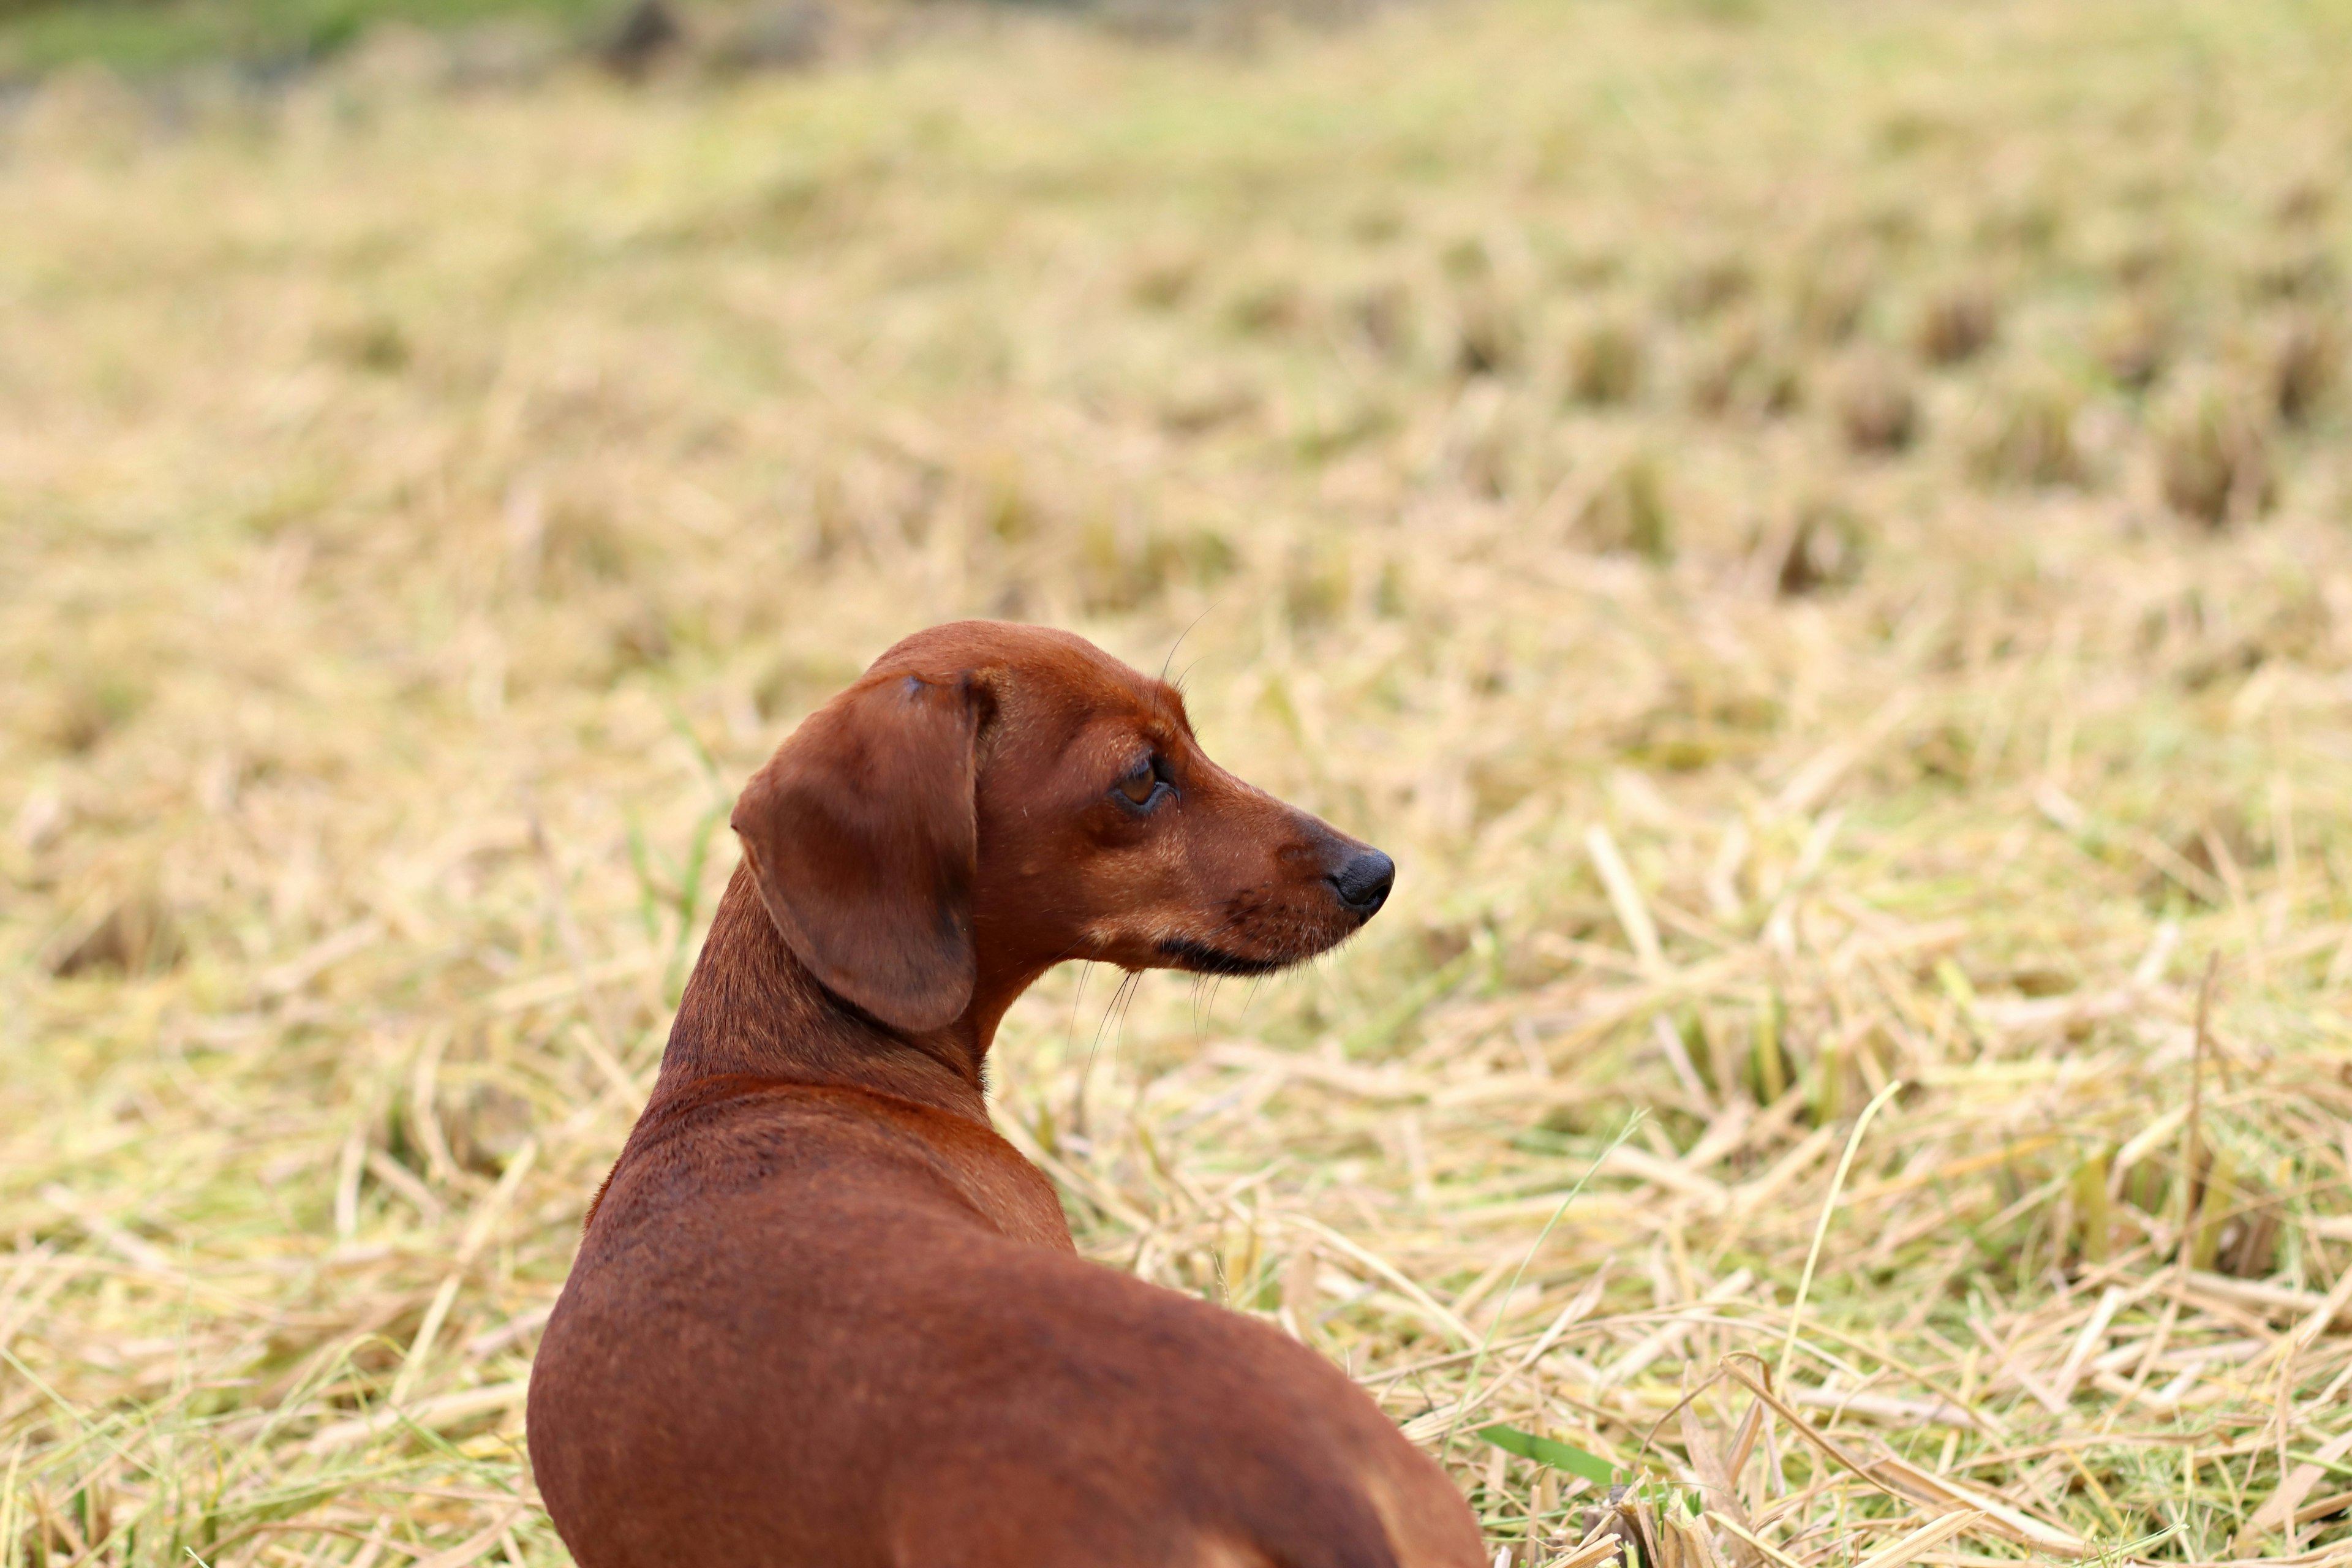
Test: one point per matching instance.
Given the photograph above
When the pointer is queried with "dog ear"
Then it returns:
(863, 843)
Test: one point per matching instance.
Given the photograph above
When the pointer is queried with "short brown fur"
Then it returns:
(824, 1315)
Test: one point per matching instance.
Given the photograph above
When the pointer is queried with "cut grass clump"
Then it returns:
(1605, 366)
(375, 342)
(2031, 439)
(1822, 547)
(1744, 372)
(1877, 411)
(1710, 286)
(2311, 276)
(1268, 307)
(2215, 463)
(1626, 513)
(1957, 322)
(1385, 319)
(2137, 343)
(1833, 298)
(132, 935)
(1163, 282)
(1490, 333)
(2306, 366)
(86, 707)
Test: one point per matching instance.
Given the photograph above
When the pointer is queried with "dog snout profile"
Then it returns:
(822, 1313)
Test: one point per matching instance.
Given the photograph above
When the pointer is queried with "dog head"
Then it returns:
(990, 799)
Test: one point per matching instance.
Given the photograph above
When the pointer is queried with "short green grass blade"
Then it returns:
(1549, 1451)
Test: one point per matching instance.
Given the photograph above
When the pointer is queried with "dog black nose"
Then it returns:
(1363, 883)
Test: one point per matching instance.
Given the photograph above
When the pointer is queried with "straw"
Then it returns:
(1816, 541)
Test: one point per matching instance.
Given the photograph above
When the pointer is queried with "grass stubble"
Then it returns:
(1819, 540)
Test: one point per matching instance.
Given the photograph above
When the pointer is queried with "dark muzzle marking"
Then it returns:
(1201, 959)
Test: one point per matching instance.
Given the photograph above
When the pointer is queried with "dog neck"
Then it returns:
(752, 1008)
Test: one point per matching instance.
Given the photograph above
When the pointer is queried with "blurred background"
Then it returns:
(1819, 534)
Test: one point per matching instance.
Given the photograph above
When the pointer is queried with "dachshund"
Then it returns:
(822, 1314)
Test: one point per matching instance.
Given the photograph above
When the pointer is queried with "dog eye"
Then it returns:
(1141, 785)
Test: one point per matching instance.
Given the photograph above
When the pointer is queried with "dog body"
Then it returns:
(822, 1314)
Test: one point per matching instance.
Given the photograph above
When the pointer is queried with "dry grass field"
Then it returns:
(1820, 536)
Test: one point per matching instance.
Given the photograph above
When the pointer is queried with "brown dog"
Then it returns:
(823, 1315)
